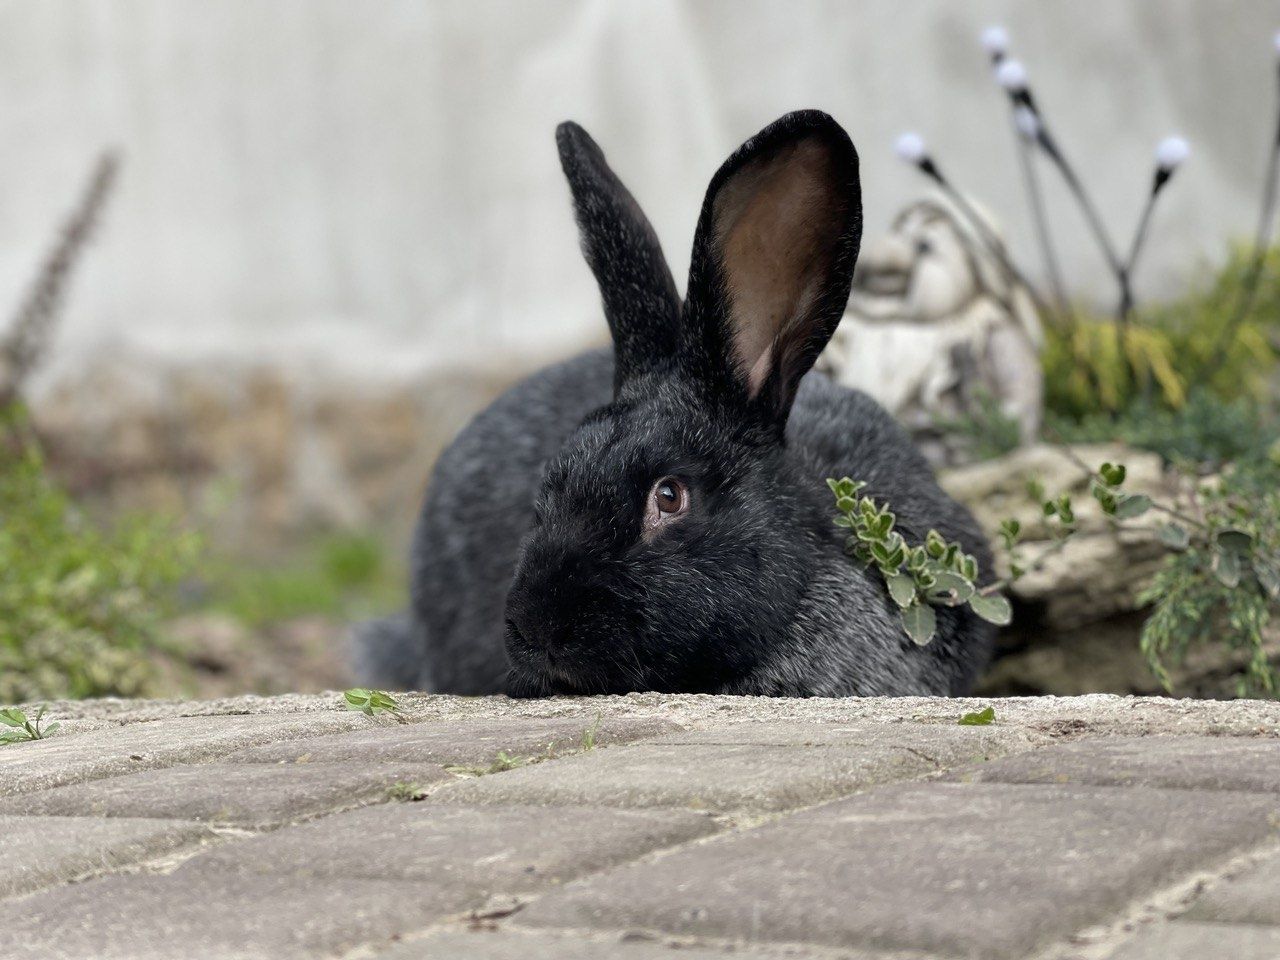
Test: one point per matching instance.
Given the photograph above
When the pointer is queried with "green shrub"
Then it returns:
(1223, 586)
(1207, 430)
(1087, 373)
(80, 603)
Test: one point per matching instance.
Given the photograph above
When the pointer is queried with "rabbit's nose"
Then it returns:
(546, 594)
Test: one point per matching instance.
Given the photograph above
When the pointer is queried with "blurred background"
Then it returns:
(261, 260)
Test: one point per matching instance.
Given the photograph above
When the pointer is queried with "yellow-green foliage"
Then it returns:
(80, 603)
(1086, 370)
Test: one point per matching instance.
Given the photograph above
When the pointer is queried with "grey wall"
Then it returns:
(372, 186)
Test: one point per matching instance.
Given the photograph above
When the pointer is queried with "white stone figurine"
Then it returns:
(936, 328)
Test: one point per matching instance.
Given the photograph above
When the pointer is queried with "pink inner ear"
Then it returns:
(777, 221)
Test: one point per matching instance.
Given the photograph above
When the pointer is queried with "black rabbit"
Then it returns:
(656, 517)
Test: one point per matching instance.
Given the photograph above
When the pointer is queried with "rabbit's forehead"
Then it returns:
(629, 447)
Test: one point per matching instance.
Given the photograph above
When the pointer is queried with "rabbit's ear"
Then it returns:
(641, 304)
(773, 259)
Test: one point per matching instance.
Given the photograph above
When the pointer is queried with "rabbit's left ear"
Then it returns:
(773, 260)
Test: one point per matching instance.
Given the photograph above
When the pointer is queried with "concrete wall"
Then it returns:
(373, 186)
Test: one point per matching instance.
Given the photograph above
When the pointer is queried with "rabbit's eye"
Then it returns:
(668, 499)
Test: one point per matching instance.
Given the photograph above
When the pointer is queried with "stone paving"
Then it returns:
(645, 827)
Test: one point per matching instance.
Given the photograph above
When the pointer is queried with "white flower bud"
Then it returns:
(910, 148)
(1171, 152)
(1012, 75)
(995, 40)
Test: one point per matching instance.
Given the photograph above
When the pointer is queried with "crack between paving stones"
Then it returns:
(1163, 905)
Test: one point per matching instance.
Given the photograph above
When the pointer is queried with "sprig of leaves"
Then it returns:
(936, 573)
(371, 702)
(979, 718)
(20, 728)
(1220, 582)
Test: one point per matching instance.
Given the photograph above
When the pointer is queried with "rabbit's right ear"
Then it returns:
(641, 304)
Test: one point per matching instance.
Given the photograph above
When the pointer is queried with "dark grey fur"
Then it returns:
(529, 573)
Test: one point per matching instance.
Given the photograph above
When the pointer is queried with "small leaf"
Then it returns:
(981, 718)
(1112, 474)
(993, 608)
(1106, 499)
(51, 728)
(920, 622)
(951, 586)
(13, 717)
(1268, 574)
(843, 521)
(1235, 541)
(834, 485)
(845, 504)
(902, 587)
(1132, 505)
(1226, 567)
(1175, 536)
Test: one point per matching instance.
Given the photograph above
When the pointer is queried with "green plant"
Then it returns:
(371, 702)
(986, 431)
(921, 577)
(341, 576)
(1221, 578)
(20, 728)
(501, 762)
(406, 792)
(1089, 371)
(589, 734)
(1221, 581)
(80, 603)
(1206, 431)
(980, 718)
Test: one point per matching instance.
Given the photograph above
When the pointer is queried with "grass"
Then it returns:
(21, 729)
(340, 576)
(504, 761)
(402, 791)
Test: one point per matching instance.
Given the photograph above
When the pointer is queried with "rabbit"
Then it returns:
(655, 517)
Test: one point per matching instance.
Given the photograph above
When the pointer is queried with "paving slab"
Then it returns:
(143, 746)
(246, 795)
(320, 888)
(480, 851)
(457, 741)
(1251, 897)
(1206, 763)
(953, 870)
(217, 915)
(38, 851)
(944, 745)
(741, 770)
(488, 944)
(1202, 941)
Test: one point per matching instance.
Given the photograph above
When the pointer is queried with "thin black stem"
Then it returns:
(1074, 184)
(1144, 222)
(1092, 474)
(1249, 287)
(985, 234)
(1039, 219)
(1125, 310)
(1094, 220)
